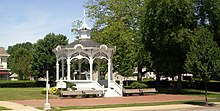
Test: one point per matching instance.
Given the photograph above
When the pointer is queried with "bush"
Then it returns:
(52, 91)
(70, 85)
(43, 91)
(17, 84)
(136, 85)
(40, 84)
(148, 79)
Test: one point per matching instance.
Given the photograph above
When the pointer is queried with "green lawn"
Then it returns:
(116, 105)
(214, 95)
(34, 93)
(21, 94)
(4, 108)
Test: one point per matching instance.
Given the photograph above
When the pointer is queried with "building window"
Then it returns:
(0, 60)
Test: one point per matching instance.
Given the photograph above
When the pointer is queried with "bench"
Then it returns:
(148, 90)
(71, 93)
(98, 93)
(127, 92)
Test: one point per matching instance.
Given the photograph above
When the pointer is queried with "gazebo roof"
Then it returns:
(84, 42)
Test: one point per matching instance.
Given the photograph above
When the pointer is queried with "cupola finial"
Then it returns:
(84, 16)
(84, 30)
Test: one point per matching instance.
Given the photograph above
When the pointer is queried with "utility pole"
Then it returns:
(47, 104)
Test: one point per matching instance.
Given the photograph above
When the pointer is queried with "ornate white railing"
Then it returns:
(101, 87)
(1, 66)
(118, 88)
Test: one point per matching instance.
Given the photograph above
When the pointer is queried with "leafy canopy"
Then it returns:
(203, 58)
(43, 53)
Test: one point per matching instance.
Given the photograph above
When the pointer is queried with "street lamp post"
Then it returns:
(47, 104)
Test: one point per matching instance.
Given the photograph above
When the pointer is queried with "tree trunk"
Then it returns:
(139, 77)
(206, 94)
(139, 74)
(157, 81)
(179, 84)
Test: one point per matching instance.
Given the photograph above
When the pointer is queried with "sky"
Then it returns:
(30, 20)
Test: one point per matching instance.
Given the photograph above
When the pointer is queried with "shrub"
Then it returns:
(43, 91)
(52, 91)
(70, 85)
(148, 79)
(136, 85)
(17, 84)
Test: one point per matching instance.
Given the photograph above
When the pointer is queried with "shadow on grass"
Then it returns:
(200, 103)
(184, 91)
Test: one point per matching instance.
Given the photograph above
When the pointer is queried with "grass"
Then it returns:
(34, 93)
(213, 96)
(4, 108)
(115, 105)
(21, 94)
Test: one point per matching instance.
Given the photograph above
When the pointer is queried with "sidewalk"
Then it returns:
(16, 106)
(177, 107)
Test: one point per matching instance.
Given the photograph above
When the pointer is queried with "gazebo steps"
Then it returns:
(111, 93)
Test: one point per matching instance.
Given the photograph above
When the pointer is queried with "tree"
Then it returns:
(203, 58)
(76, 24)
(208, 15)
(43, 54)
(21, 58)
(117, 23)
(166, 25)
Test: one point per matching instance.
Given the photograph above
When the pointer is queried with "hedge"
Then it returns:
(18, 84)
(212, 86)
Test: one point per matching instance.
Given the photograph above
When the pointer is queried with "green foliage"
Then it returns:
(21, 59)
(43, 91)
(76, 24)
(51, 91)
(166, 26)
(208, 14)
(136, 85)
(70, 85)
(17, 84)
(116, 23)
(43, 53)
(148, 79)
(203, 58)
(165, 32)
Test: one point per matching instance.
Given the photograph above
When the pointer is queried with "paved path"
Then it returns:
(106, 101)
(16, 106)
(177, 107)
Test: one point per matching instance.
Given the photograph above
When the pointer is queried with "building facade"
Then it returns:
(4, 71)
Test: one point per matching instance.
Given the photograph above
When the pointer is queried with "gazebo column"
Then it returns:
(80, 64)
(98, 69)
(90, 69)
(68, 68)
(109, 71)
(57, 71)
(62, 69)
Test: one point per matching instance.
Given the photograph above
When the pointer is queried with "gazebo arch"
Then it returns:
(85, 48)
